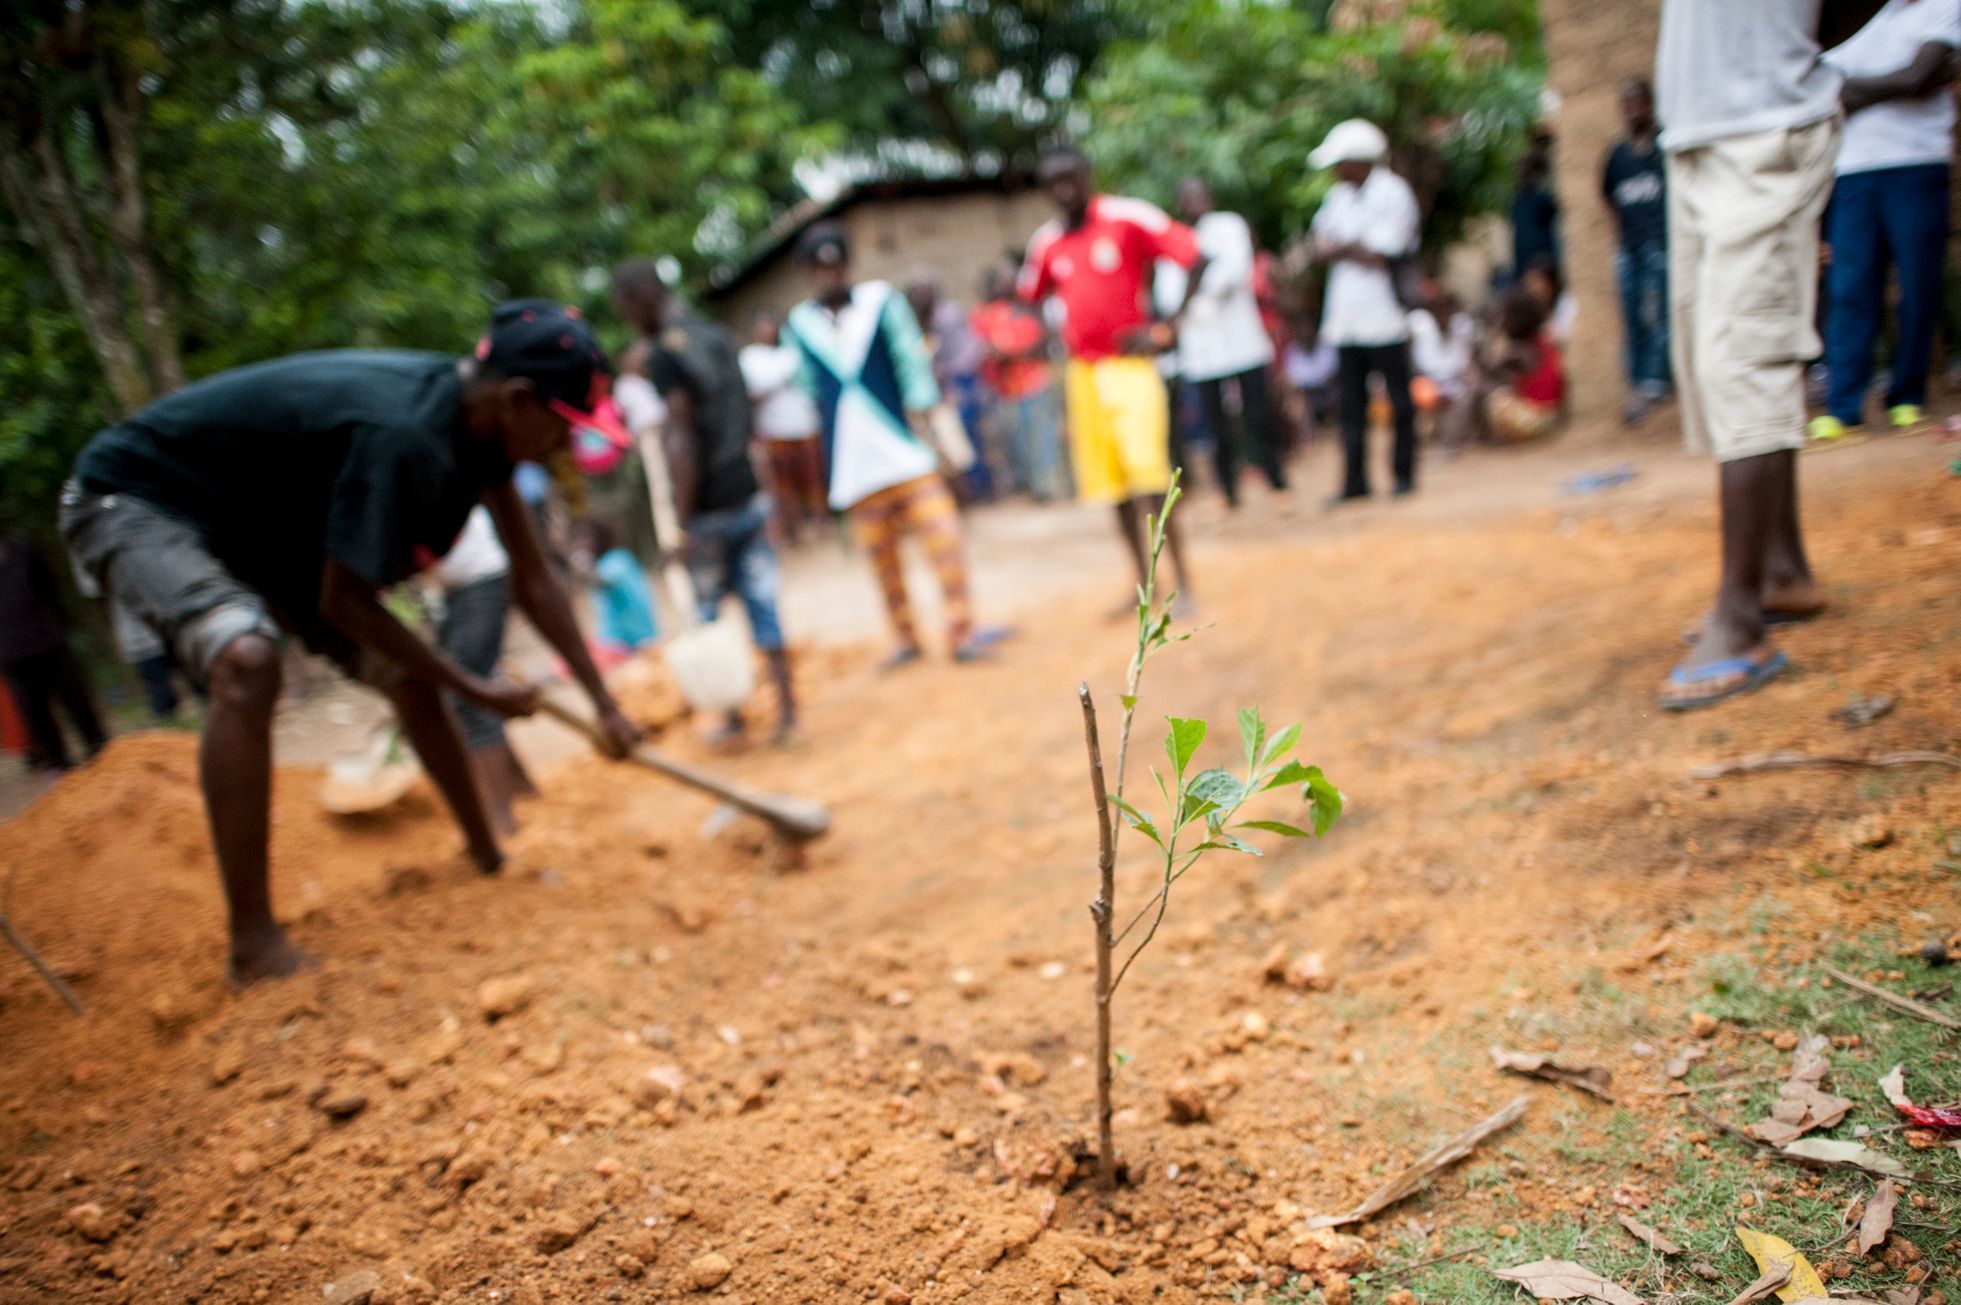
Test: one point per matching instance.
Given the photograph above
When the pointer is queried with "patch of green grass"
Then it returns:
(1699, 1183)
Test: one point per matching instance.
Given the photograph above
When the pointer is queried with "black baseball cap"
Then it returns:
(550, 345)
(824, 244)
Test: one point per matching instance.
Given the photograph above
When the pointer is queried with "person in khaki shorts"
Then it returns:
(1751, 124)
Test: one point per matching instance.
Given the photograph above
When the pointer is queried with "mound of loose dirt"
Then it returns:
(651, 1061)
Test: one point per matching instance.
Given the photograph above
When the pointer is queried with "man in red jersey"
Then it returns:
(1098, 258)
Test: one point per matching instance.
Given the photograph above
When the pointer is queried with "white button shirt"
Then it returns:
(1360, 307)
(1222, 334)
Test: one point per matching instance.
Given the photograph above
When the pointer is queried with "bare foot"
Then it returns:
(1803, 598)
(270, 957)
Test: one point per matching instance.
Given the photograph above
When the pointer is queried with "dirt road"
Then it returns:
(651, 1060)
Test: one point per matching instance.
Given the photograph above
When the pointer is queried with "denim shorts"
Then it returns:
(729, 552)
(472, 633)
(159, 568)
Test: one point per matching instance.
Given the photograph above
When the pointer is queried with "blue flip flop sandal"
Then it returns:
(1724, 679)
(979, 644)
(1772, 621)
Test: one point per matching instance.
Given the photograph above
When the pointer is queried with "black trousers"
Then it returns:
(38, 683)
(1254, 434)
(1357, 363)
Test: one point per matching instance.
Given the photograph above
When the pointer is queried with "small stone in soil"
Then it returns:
(90, 1221)
(1185, 1104)
(504, 996)
(356, 1288)
(339, 1103)
(557, 1233)
(709, 1271)
(1933, 952)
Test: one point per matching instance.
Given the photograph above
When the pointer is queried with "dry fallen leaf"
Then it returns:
(1773, 1252)
(1894, 1085)
(1877, 1221)
(1802, 1104)
(1427, 1166)
(1534, 1064)
(1773, 1277)
(1565, 1280)
(1846, 1153)
(1649, 1235)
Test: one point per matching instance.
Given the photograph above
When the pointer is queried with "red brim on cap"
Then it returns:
(604, 423)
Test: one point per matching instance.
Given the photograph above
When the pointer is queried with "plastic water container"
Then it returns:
(713, 665)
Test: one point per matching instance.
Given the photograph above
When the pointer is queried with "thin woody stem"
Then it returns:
(1101, 911)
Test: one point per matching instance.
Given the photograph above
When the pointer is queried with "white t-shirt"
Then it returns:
(1221, 334)
(1728, 68)
(783, 409)
(1442, 356)
(1360, 307)
(1898, 133)
(476, 555)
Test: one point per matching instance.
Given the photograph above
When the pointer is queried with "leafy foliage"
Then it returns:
(1241, 94)
(1205, 802)
(378, 172)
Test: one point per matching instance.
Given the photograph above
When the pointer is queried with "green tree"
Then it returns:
(1241, 94)
(986, 80)
(322, 173)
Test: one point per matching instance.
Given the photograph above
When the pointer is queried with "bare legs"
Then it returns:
(235, 770)
(1764, 564)
(432, 730)
(1132, 517)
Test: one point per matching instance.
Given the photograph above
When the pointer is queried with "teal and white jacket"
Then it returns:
(867, 367)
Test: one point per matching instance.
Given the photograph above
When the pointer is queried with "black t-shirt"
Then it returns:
(358, 455)
(1636, 184)
(700, 357)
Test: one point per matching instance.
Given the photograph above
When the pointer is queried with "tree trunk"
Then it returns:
(37, 189)
(117, 95)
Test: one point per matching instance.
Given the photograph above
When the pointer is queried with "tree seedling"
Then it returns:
(1200, 814)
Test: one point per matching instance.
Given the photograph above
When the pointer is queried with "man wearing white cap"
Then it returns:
(1368, 222)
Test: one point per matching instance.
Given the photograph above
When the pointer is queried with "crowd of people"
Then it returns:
(288, 498)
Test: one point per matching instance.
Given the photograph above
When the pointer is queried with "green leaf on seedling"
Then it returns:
(1327, 800)
(1138, 820)
(1195, 806)
(1123, 1058)
(1223, 839)
(1280, 745)
(1274, 827)
(1183, 741)
(1129, 701)
(1252, 732)
(1291, 773)
(1212, 795)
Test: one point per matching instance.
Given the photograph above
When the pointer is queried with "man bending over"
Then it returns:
(288, 495)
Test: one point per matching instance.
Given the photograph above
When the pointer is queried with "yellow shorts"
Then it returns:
(1119, 429)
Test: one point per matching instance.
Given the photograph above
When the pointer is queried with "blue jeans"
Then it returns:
(1032, 428)
(1643, 276)
(729, 552)
(1893, 217)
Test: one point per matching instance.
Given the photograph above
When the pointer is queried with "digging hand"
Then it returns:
(505, 697)
(618, 736)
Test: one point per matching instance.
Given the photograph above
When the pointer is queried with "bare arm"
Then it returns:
(353, 606)
(1931, 69)
(1193, 275)
(678, 442)
(537, 594)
